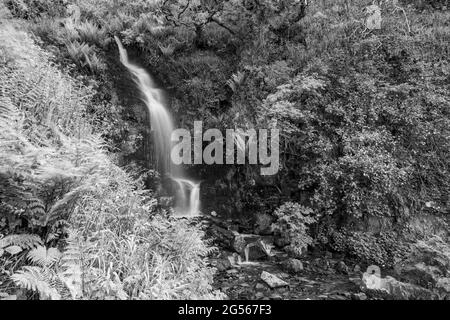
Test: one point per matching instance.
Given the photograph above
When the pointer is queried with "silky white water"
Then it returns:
(187, 197)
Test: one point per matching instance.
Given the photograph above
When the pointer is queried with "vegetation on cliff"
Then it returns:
(364, 116)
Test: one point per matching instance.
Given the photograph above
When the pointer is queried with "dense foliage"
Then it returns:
(73, 224)
(364, 114)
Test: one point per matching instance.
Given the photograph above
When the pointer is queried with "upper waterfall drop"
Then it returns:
(188, 197)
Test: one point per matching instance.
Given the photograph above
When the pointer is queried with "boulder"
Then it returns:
(443, 284)
(255, 246)
(276, 296)
(407, 291)
(293, 265)
(223, 264)
(281, 241)
(260, 286)
(359, 296)
(240, 241)
(421, 274)
(259, 295)
(221, 235)
(428, 262)
(272, 280)
(398, 290)
(320, 264)
(341, 267)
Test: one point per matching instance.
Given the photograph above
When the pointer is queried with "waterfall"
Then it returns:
(188, 206)
(161, 124)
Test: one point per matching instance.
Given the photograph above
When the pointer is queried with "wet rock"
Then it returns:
(358, 282)
(421, 274)
(241, 241)
(234, 259)
(223, 236)
(276, 296)
(281, 241)
(255, 252)
(359, 296)
(407, 291)
(259, 295)
(293, 265)
(260, 286)
(428, 262)
(263, 224)
(443, 284)
(223, 264)
(272, 280)
(341, 267)
(232, 271)
(320, 264)
(253, 246)
(336, 297)
(401, 290)
(282, 290)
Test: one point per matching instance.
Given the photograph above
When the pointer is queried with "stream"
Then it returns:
(316, 276)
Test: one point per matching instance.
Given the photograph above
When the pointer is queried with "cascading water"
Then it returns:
(188, 206)
(162, 126)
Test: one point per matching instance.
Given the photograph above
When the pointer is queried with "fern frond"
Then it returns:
(235, 81)
(43, 256)
(36, 279)
(25, 241)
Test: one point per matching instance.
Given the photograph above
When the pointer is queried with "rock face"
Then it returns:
(272, 280)
(240, 241)
(397, 290)
(407, 291)
(255, 246)
(427, 265)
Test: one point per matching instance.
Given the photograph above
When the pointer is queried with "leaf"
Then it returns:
(13, 250)
(43, 256)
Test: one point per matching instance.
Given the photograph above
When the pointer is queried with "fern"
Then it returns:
(235, 81)
(25, 241)
(44, 257)
(72, 263)
(36, 279)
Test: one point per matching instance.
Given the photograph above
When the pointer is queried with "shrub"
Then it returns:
(91, 33)
(292, 226)
(384, 250)
(84, 55)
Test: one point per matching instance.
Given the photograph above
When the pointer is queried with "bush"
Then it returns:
(291, 227)
(384, 250)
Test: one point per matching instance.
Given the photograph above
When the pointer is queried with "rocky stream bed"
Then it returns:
(270, 274)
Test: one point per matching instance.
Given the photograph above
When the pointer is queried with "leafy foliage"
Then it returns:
(292, 225)
(384, 250)
(56, 173)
